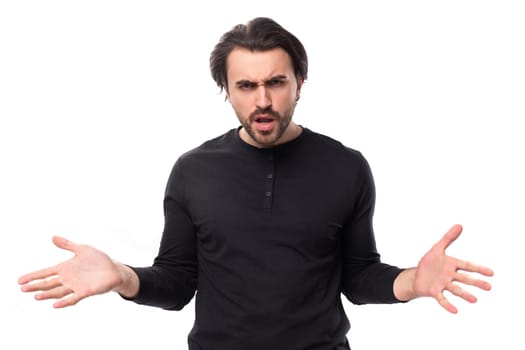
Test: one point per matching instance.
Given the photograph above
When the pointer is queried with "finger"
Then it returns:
(472, 267)
(449, 237)
(60, 242)
(43, 285)
(55, 293)
(39, 274)
(69, 301)
(460, 292)
(443, 301)
(65, 244)
(467, 279)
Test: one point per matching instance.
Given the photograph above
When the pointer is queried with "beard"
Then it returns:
(271, 137)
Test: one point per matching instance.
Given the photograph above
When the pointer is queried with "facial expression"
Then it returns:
(263, 91)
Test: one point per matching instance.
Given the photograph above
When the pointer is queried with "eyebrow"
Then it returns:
(276, 77)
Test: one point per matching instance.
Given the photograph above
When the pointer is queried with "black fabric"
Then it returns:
(268, 239)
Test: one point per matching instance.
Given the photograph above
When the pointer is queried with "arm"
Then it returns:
(366, 280)
(170, 283)
(89, 272)
(437, 272)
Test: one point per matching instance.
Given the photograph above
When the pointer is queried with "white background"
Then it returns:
(99, 98)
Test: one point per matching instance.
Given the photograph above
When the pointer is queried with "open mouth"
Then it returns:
(264, 120)
(264, 123)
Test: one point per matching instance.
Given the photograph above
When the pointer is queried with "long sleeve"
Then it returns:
(366, 279)
(171, 281)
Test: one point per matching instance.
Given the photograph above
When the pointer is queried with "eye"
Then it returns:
(275, 82)
(246, 85)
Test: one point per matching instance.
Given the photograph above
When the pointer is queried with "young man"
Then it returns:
(269, 223)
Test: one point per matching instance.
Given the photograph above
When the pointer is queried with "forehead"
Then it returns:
(258, 65)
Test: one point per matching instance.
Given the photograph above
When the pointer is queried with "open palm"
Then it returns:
(88, 272)
(438, 272)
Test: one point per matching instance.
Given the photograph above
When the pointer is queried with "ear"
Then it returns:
(300, 82)
(226, 92)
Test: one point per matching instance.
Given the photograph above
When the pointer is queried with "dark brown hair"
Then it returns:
(259, 34)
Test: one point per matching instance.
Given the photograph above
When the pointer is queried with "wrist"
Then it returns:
(129, 282)
(404, 285)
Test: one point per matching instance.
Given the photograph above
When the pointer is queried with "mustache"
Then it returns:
(268, 111)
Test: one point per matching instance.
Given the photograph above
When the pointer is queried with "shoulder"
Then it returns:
(328, 146)
(199, 160)
(211, 148)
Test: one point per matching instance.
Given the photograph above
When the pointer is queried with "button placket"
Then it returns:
(269, 181)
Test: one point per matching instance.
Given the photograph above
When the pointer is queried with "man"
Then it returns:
(269, 223)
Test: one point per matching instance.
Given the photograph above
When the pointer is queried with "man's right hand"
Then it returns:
(89, 272)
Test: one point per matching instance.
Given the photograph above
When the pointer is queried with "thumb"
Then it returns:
(65, 244)
(449, 237)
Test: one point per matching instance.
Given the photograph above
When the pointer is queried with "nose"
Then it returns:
(263, 97)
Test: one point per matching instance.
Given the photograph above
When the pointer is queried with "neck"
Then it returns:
(292, 132)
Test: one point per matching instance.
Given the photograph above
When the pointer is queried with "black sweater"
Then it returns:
(269, 239)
